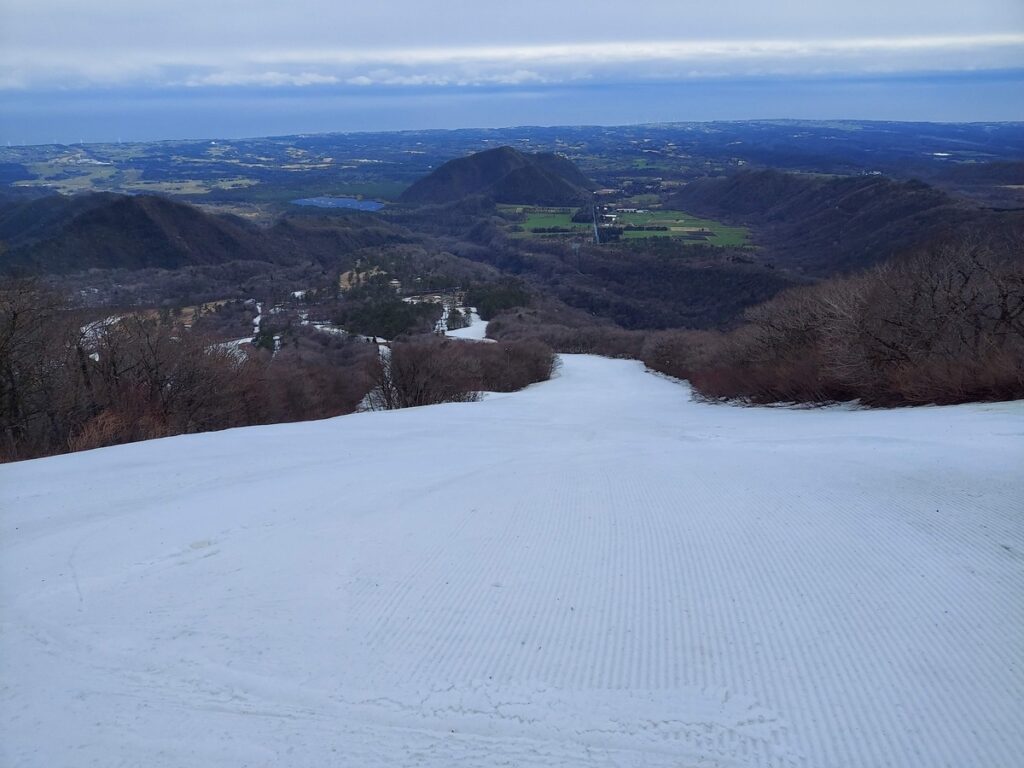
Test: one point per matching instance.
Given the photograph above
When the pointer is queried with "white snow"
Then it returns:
(94, 330)
(475, 331)
(594, 571)
(330, 328)
(441, 326)
(234, 343)
(256, 321)
(234, 347)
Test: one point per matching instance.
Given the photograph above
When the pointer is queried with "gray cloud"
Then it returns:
(67, 43)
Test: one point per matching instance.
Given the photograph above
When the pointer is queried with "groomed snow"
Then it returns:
(594, 571)
(475, 331)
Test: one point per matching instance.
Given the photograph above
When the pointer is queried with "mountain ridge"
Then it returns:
(59, 234)
(823, 226)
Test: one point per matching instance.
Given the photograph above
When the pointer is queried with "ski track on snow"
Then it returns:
(594, 571)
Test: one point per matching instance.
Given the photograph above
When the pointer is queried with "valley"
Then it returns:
(816, 280)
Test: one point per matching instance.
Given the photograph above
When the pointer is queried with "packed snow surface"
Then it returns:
(594, 571)
(475, 331)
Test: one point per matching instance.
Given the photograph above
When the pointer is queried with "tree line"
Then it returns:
(69, 385)
(65, 386)
(943, 325)
(429, 371)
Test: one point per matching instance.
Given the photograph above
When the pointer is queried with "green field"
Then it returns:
(678, 224)
(681, 224)
(545, 218)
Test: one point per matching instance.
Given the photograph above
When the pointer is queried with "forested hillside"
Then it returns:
(823, 225)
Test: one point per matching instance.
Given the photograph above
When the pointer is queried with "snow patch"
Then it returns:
(475, 331)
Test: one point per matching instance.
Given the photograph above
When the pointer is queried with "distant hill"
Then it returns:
(64, 234)
(996, 185)
(60, 234)
(825, 225)
(505, 175)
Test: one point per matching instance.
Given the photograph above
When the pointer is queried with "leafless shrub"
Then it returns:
(428, 372)
(175, 379)
(65, 385)
(510, 366)
(299, 384)
(115, 426)
(941, 326)
(414, 373)
(39, 393)
(680, 353)
(575, 340)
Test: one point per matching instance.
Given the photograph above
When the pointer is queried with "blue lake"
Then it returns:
(341, 202)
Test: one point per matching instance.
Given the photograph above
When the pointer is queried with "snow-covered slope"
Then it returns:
(475, 331)
(594, 571)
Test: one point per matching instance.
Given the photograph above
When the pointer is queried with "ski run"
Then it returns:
(595, 571)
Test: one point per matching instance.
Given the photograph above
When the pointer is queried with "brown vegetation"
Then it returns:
(943, 326)
(607, 341)
(64, 387)
(427, 372)
(68, 385)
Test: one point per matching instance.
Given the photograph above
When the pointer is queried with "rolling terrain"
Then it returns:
(638, 158)
(593, 571)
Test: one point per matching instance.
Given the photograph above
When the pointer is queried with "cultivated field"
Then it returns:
(546, 218)
(539, 222)
(681, 224)
(594, 571)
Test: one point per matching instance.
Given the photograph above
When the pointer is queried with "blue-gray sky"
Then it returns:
(145, 70)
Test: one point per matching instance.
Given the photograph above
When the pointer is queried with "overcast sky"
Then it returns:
(55, 52)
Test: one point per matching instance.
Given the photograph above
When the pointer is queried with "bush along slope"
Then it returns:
(945, 325)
